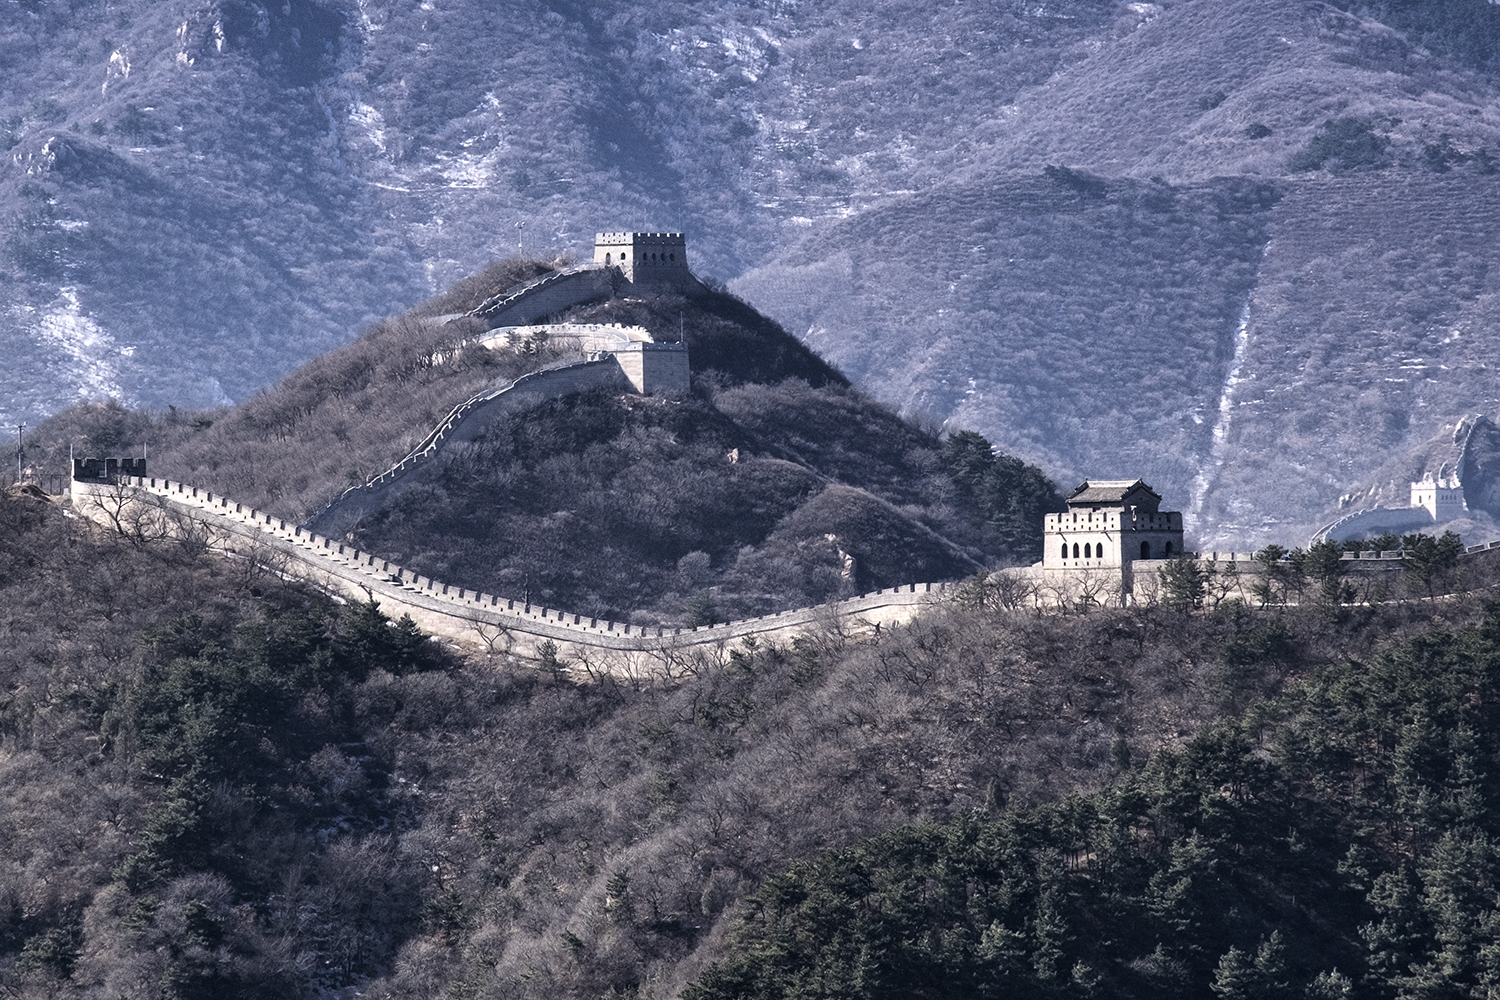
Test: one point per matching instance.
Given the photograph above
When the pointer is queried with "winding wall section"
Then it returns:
(465, 422)
(530, 301)
(163, 508)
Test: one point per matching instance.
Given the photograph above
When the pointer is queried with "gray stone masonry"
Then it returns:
(504, 626)
(551, 293)
(464, 424)
(646, 259)
(656, 369)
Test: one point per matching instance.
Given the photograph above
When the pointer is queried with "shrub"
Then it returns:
(1342, 144)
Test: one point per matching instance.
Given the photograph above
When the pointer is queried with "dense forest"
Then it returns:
(218, 783)
(1337, 839)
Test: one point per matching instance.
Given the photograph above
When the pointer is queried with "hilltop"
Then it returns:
(770, 484)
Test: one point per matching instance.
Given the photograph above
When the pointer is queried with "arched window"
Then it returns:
(1088, 551)
(606, 258)
(1145, 550)
(1065, 550)
(1075, 550)
(672, 256)
(1169, 550)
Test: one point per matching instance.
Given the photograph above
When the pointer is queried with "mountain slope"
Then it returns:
(1086, 324)
(770, 485)
(201, 196)
(219, 780)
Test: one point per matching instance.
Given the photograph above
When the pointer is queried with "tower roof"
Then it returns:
(1113, 491)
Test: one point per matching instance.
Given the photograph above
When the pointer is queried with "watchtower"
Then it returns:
(646, 258)
(107, 470)
(1443, 497)
(1110, 523)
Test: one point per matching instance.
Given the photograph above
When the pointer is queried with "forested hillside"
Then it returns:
(218, 784)
(771, 485)
(1338, 839)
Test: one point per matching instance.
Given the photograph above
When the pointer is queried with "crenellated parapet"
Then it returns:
(107, 470)
(623, 263)
(516, 628)
(651, 258)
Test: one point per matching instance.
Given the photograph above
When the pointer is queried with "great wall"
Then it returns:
(155, 508)
(152, 508)
(619, 357)
(646, 368)
(119, 494)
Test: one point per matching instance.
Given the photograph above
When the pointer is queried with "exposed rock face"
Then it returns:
(1480, 472)
(298, 40)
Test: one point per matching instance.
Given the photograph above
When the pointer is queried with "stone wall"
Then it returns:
(656, 368)
(500, 626)
(551, 293)
(465, 423)
(1398, 520)
(1235, 575)
(646, 259)
(587, 338)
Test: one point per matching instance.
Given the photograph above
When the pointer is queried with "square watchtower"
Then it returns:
(1442, 496)
(646, 258)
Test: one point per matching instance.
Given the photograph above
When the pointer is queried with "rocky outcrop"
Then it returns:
(1479, 468)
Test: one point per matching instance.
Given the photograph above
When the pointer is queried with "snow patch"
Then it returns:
(1205, 477)
(365, 23)
(372, 122)
(93, 352)
(216, 392)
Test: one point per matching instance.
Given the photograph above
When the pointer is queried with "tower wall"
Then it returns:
(1442, 498)
(1108, 539)
(107, 470)
(649, 258)
(655, 368)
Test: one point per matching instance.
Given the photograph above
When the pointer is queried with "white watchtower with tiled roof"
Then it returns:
(1110, 523)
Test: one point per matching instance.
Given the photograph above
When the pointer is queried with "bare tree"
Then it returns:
(495, 637)
(136, 516)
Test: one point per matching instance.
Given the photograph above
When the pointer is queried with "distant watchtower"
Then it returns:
(1443, 497)
(646, 258)
(107, 470)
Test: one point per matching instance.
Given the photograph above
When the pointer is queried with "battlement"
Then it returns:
(640, 239)
(107, 470)
(1442, 497)
(658, 258)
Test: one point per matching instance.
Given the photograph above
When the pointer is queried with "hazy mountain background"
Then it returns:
(1069, 225)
